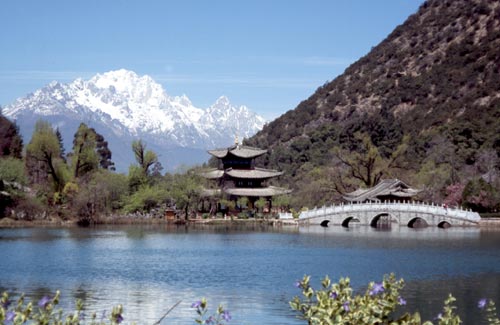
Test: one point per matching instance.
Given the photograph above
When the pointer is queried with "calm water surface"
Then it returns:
(251, 271)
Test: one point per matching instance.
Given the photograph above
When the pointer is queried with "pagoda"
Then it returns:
(237, 176)
(386, 191)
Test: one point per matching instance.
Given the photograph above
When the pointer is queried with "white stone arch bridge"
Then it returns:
(407, 214)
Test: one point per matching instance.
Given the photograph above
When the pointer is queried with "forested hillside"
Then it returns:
(422, 106)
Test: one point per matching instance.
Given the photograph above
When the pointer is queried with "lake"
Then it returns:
(250, 270)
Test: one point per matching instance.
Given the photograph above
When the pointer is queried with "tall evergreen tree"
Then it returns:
(104, 153)
(61, 144)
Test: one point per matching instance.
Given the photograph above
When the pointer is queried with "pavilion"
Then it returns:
(385, 191)
(237, 176)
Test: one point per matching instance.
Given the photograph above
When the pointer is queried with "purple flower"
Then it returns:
(10, 316)
(439, 316)
(333, 295)
(42, 303)
(196, 304)
(376, 289)
(297, 284)
(482, 303)
(345, 305)
(209, 320)
(401, 301)
(5, 304)
(226, 316)
(119, 318)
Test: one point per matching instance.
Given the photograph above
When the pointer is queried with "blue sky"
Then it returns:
(268, 55)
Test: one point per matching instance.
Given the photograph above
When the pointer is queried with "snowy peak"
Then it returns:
(127, 103)
(128, 85)
(222, 102)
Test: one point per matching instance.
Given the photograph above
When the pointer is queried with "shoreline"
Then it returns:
(484, 224)
(123, 221)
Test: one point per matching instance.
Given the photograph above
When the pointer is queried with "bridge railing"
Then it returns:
(408, 206)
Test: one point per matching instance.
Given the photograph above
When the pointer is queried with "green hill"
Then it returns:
(422, 106)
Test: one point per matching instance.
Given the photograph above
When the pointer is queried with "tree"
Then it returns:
(11, 143)
(145, 158)
(84, 157)
(282, 202)
(260, 204)
(103, 193)
(12, 170)
(61, 144)
(90, 152)
(366, 163)
(186, 191)
(136, 178)
(480, 196)
(104, 153)
(43, 157)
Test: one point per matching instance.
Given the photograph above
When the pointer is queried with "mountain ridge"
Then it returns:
(434, 79)
(122, 105)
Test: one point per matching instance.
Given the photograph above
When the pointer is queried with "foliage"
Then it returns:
(480, 195)
(336, 304)
(136, 178)
(84, 157)
(242, 202)
(102, 193)
(185, 191)
(260, 203)
(430, 80)
(90, 152)
(103, 152)
(43, 157)
(219, 318)
(145, 199)
(12, 170)
(11, 143)
(145, 158)
(45, 313)
(281, 201)
(454, 194)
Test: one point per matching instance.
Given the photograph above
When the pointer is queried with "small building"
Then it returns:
(237, 176)
(386, 190)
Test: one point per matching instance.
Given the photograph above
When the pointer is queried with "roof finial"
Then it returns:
(236, 141)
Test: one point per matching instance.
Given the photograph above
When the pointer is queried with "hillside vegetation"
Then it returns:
(422, 106)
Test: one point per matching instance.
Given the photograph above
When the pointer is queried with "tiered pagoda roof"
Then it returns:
(260, 191)
(256, 173)
(238, 151)
(239, 176)
(386, 188)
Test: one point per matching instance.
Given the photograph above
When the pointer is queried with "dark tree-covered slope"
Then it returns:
(435, 78)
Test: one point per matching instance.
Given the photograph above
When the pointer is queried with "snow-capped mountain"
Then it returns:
(124, 106)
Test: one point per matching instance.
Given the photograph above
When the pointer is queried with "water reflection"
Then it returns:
(249, 270)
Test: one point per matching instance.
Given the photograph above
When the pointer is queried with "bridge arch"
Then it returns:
(349, 220)
(444, 224)
(324, 223)
(418, 222)
(383, 221)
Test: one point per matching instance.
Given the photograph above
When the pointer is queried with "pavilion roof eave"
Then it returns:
(256, 173)
(257, 192)
(387, 187)
(238, 151)
(212, 174)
